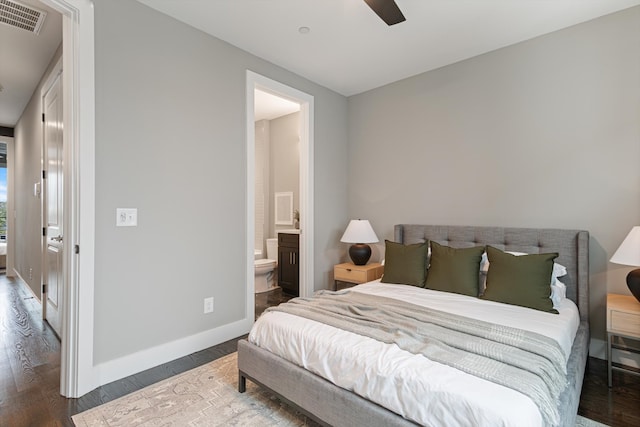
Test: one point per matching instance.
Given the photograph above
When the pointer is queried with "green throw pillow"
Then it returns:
(405, 264)
(454, 269)
(520, 280)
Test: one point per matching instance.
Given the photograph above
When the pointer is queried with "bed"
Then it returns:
(330, 404)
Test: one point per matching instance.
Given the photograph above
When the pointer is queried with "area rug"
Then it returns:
(204, 396)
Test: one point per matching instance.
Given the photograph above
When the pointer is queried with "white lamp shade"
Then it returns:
(629, 251)
(359, 231)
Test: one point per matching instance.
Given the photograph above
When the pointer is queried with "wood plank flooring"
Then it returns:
(30, 371)
(618, 406)
(30, 366)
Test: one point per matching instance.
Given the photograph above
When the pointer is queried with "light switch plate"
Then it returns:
(126, 217)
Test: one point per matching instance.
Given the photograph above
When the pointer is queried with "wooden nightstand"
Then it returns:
(623, 320)
(356, 274)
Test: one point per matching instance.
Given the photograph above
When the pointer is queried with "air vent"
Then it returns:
(21, 16)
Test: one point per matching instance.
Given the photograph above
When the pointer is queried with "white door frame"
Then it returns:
(78, 375)
(257, 81)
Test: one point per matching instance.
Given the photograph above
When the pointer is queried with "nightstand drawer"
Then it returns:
(625, 323)
(350, 275)
(348, 272)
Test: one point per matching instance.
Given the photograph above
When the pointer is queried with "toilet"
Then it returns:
(265, 268)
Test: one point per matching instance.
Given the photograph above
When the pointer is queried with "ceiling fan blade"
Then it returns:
(387, 10)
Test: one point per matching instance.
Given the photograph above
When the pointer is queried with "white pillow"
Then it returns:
(558, 293)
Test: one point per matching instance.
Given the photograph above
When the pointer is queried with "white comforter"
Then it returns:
(413, 386)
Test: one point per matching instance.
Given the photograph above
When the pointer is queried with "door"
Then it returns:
(288, 263)
(53, 284)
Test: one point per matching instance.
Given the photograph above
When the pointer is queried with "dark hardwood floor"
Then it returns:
(268, 299)
(615, 406)
(30, 366)
(30, 371)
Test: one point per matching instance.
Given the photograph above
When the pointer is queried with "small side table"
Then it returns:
(623, 320)
(356, 274)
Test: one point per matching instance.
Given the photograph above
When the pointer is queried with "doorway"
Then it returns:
(305, 211)
(53, 284)
(77, 373)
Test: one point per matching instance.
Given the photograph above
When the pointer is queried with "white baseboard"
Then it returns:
(26, 285)
(137, 362)
(10, 272)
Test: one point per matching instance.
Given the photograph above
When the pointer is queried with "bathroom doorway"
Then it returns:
(277, 167)
(279, 159)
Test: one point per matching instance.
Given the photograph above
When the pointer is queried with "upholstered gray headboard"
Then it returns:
(572, 245)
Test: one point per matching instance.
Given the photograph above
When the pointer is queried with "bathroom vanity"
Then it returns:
(289, 262)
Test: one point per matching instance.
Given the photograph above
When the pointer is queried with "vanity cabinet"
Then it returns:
(289, 263)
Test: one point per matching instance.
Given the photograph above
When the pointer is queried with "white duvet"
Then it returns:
(413, 386)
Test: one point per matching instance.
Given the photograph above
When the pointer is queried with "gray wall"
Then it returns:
(284, 162)
(262, 187)
(171, 141)
(544, 133)
(27, 233)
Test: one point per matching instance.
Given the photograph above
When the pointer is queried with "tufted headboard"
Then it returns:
(572, 245)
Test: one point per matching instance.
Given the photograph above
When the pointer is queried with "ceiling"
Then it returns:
(24, 57)
(350, 50)
(269, 107)
(347, 49)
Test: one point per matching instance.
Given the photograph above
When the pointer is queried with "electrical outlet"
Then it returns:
(208, 305)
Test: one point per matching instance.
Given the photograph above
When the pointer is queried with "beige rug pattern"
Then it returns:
(204, 396)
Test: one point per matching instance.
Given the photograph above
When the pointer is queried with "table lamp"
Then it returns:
(629, 254)
(359, 232)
